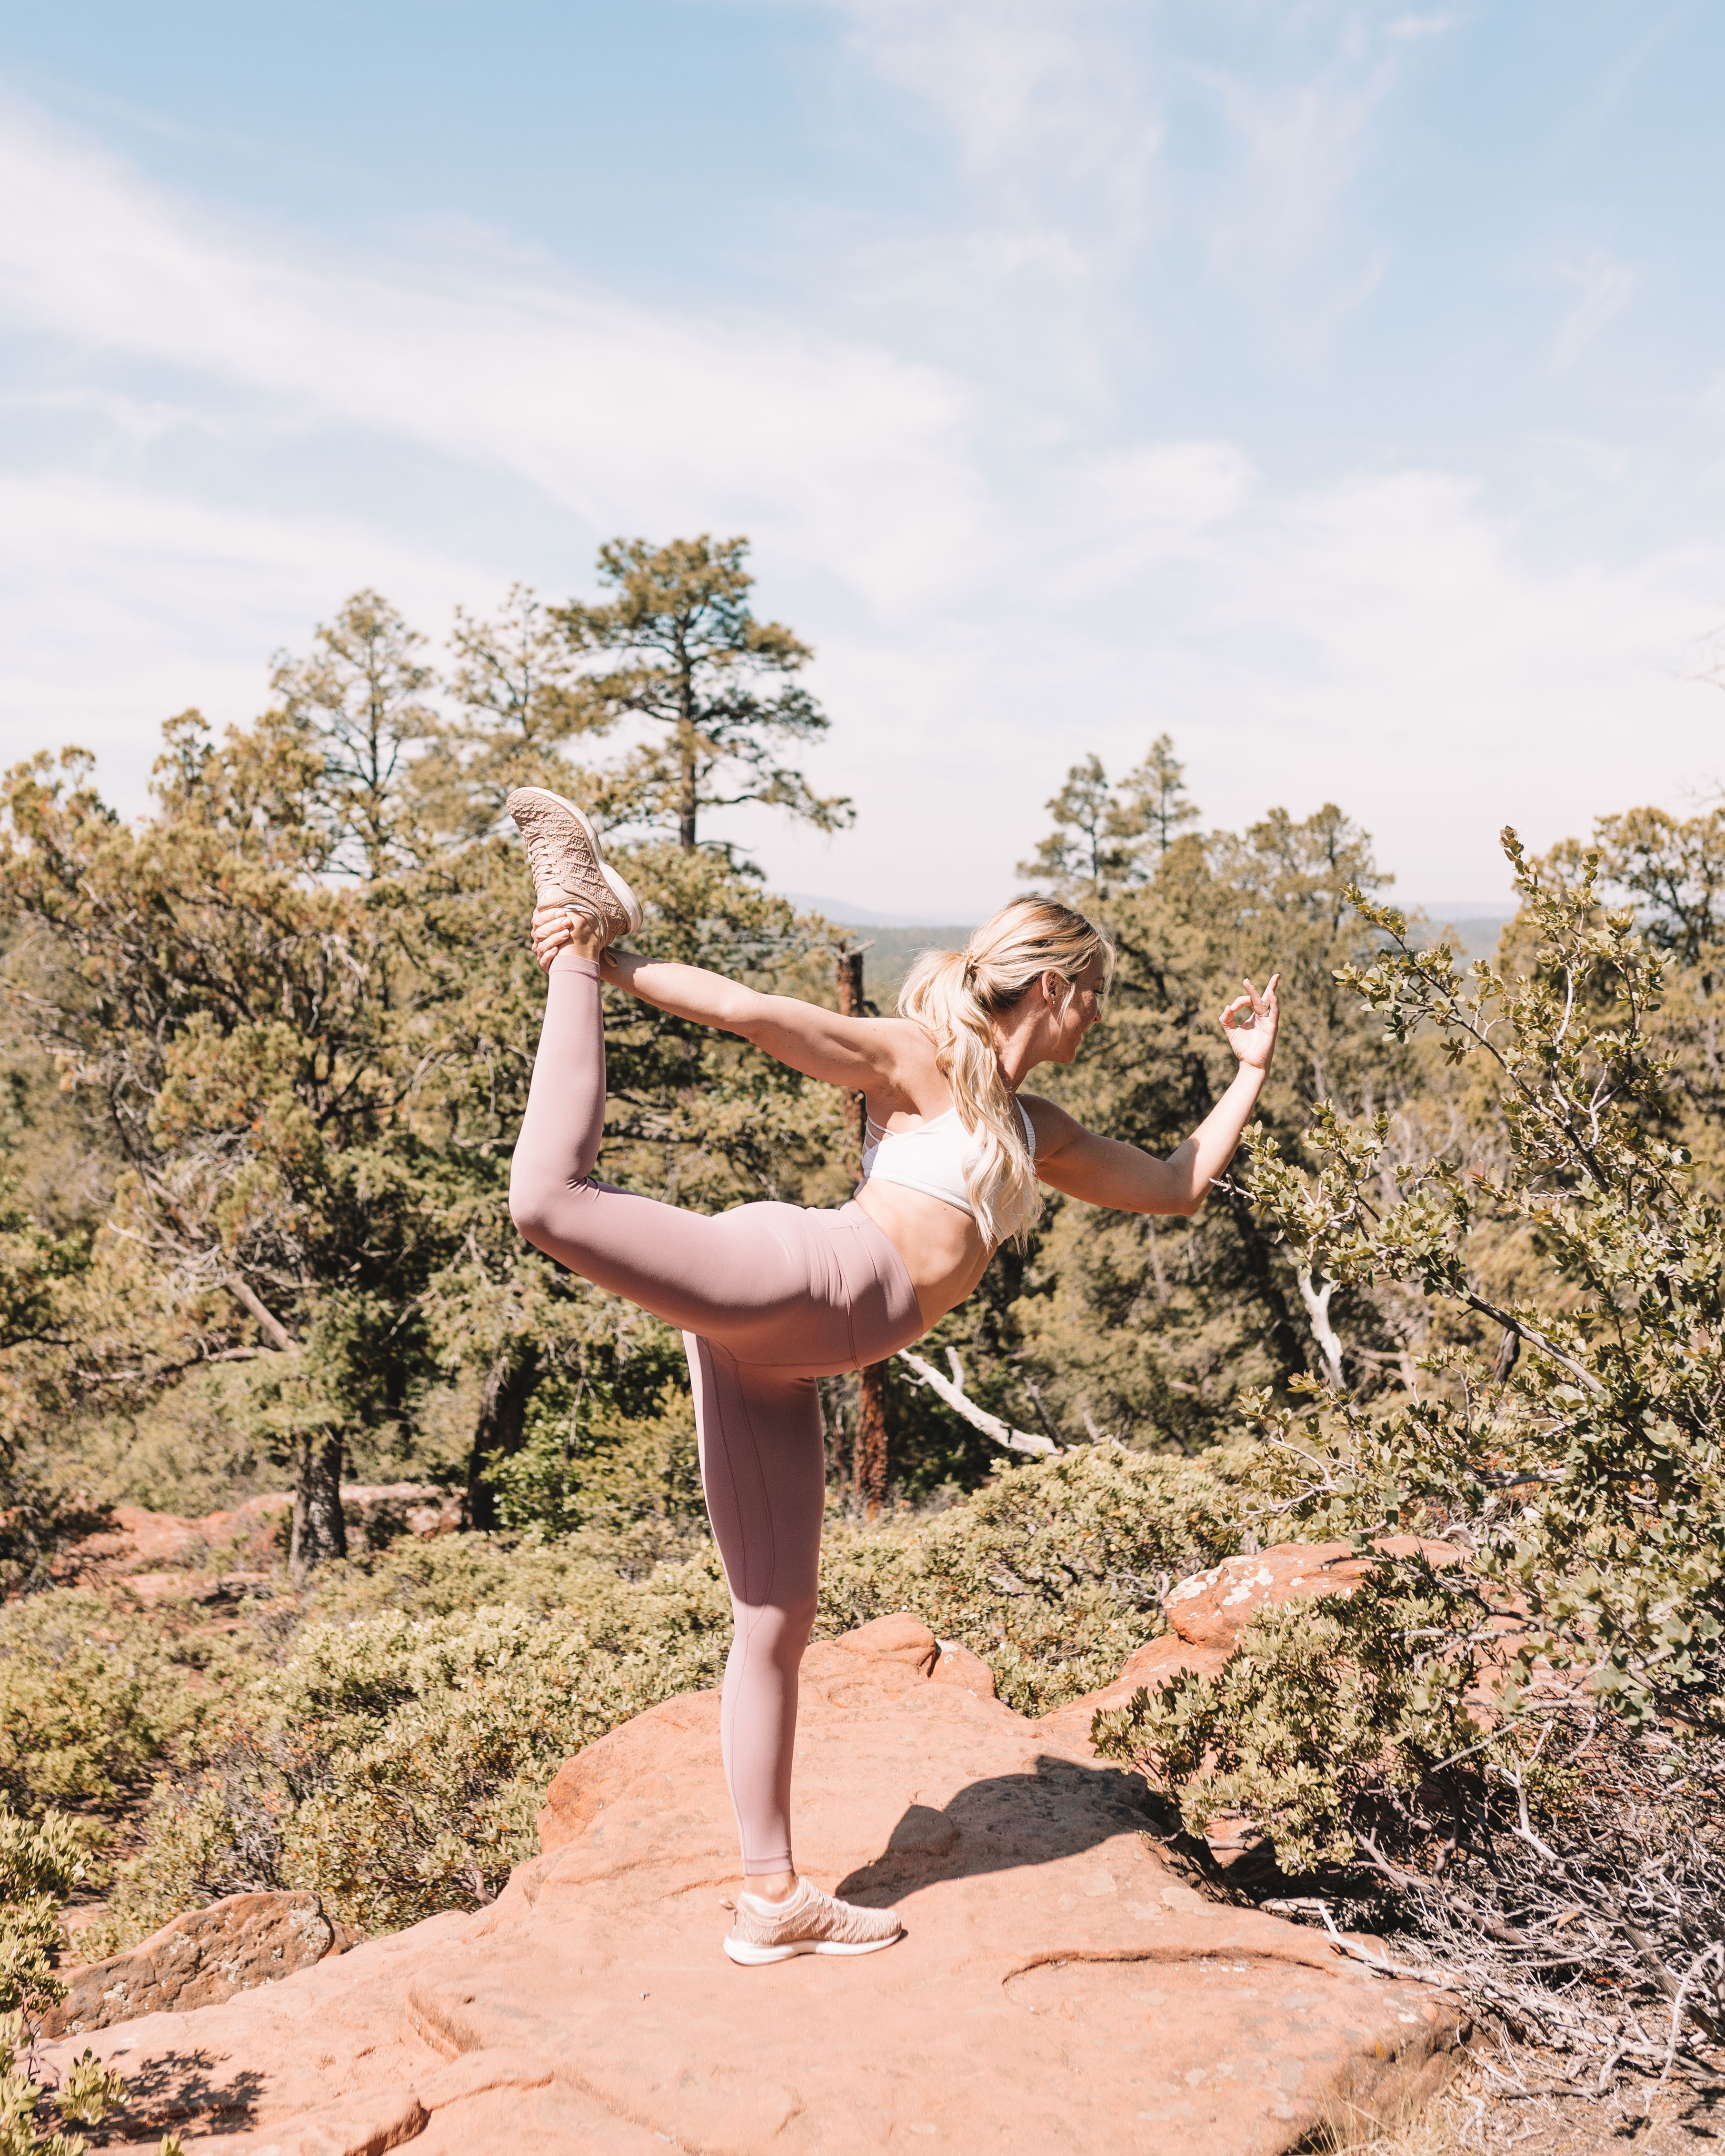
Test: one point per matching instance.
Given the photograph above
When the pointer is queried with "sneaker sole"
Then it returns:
(753, 1956)
(618, 889)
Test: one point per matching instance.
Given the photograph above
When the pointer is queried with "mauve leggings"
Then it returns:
(767, 1298)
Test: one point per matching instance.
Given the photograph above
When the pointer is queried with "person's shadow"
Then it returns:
(1007, 1821)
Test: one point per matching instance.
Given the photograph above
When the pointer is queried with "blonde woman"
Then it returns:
(770, 1297)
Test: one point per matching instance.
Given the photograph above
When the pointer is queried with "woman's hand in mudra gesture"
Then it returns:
(1250, 1022)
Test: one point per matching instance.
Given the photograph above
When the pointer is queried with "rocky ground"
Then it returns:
(1060, 1986)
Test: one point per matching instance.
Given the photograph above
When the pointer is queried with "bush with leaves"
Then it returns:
(1467, 1748)
(394, 1764)
(90, 1700)
(1324, 1729)
(1052, 1573)
(87, 2092)
(41, 1861)
(1581, 1470)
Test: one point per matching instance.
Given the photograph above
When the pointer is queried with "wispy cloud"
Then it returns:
(621, 414)
(984, 615)
(1605, 285)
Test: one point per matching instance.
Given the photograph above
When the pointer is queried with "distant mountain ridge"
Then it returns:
(848, 915)
(1474, 911)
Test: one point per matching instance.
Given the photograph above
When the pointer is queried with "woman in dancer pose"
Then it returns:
(770, 1297)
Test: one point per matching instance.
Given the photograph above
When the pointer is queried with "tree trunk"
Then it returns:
(503, 1411)
(686, 754)
(319, 1533)
(869, 1460)
(868, 1467)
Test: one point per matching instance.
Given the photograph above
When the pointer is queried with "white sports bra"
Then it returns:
(931, 1159)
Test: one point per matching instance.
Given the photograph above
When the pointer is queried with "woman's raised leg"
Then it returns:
(701, 1274)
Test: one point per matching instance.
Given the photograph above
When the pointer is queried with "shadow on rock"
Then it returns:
(1061, 1808)
(173, 2089)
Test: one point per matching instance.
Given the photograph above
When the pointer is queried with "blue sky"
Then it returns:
(1340, 388)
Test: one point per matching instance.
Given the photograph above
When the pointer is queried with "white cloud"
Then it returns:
(1386, 640)
(625, 416)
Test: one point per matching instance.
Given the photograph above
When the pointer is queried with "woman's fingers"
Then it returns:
(551, 928)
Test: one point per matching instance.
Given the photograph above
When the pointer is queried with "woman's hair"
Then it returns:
(954, 994)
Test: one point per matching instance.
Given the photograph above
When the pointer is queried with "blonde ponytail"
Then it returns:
(953, 995)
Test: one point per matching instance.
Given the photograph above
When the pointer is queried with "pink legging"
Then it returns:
(767, 1298)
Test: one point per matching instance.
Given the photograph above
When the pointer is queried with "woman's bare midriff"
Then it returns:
(943, 1249)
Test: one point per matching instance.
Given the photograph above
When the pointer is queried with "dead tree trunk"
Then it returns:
(869, 1457)
(502, 1416)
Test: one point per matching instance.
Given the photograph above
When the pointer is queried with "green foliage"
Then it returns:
(584, 1463)
(88, 2091)
(1584, 1478)
(41, 1861)
(395, 1763)
(1106, 837)
(89, 1701)
(1324, 1729)
(698, 664)
(1153, 1330)
(299, 1002)
(1052, 1573)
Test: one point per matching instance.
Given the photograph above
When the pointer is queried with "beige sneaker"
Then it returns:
(809, 1922)
(569, 865)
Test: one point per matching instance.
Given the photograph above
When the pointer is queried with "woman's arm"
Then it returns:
(860, 1053)
(865, 1055)
(1107, 1172)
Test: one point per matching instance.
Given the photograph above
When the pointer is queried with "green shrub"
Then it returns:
(41, 1861)
(589, 1464)
(394, 1764)
(1325, 1728)
(1052, 1573)
(90, 1700)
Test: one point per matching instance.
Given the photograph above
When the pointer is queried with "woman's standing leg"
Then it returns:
(764, 1468)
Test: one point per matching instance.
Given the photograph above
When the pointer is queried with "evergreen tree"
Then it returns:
(360, 695)
(518, 700)
(1151, 803)
(694, 661)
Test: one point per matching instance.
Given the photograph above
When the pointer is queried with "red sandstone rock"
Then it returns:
(1056, 1988)
(198, 1960)
(899, 1637)
(143, 1545)
(957, 1666)
(1213, 1608)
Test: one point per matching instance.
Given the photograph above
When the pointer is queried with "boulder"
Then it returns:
(957, 1666)
(1057, 1988)
(198, 1960)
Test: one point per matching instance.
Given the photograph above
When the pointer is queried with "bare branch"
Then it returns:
(271, 1326)
(1317, 1310)
(952, 1391)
